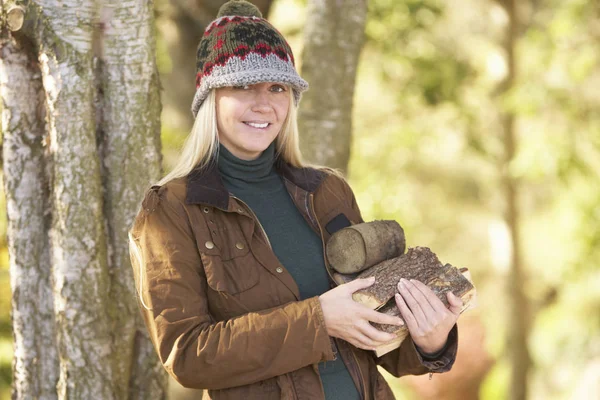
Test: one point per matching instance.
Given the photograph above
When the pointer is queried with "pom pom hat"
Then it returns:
(242, 48)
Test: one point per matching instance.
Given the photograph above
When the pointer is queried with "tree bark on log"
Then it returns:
(418, 263)
(447, 281)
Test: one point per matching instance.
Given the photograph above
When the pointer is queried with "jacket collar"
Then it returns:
(204, 186)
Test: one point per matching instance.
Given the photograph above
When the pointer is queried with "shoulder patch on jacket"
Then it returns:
(338, 222)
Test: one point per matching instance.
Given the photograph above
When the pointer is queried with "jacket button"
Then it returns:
(279, 269)
(240, 210)
(209, 245)
(239, 245)
(206, 210)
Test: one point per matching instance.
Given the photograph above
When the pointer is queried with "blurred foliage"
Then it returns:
(426, 151)
(427, 146)
(416, 60)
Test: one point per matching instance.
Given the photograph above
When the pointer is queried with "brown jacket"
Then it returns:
(222, 311)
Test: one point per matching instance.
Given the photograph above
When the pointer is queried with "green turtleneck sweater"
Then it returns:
(296, 245)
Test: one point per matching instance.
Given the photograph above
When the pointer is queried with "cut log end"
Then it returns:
(358, 247)
(346, 251)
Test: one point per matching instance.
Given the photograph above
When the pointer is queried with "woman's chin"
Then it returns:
(258, 145)
(252, 150)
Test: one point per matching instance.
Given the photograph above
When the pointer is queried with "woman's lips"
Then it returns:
(258, 125)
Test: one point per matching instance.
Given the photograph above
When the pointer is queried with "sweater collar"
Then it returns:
(205, 186)
(233, 168)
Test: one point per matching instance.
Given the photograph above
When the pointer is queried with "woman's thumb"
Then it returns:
(358, 284)
(455, 303)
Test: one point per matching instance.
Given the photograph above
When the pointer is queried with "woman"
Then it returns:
(227, 249)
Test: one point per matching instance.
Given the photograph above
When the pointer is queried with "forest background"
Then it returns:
(429, 150)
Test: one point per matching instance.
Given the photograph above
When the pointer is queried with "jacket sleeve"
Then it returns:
(407, 359)
(197, 351)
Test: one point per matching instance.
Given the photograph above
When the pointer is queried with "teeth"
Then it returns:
(255, 125)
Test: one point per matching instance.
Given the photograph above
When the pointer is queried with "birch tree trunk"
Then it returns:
(81, 132)
(27, 201)
(333, 39)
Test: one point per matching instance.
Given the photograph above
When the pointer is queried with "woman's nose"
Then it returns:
(262, 101)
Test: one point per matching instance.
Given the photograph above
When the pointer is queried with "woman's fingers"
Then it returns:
(377, 337)
(432, 299)
(412, 298)
(362, 341)
(408, 316)
(381, 318)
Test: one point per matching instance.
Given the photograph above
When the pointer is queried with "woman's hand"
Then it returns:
(427, 318)
(349, 320)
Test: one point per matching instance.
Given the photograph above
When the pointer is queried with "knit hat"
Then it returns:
(242, 48)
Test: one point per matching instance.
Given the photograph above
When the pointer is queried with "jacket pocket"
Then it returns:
(232, 276)
(228, 263)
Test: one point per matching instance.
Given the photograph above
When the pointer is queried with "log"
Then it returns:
(419, 263)
(439, 286)
(358, 247)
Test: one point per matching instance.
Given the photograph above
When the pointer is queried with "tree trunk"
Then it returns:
(334, 36)
(518, 331)
(27, 200)
(129, 128)
(101, 150)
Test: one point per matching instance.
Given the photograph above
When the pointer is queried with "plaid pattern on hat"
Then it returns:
(242, 48)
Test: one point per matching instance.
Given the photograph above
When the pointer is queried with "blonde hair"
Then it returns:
(201, 147)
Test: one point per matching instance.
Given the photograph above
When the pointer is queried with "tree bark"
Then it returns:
(26, 190)
(78, 239)
(444, 282)
(334, 36)
(418, 263)
(81, 144)
(128, 131)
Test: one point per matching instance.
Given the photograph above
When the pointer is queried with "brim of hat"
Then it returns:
(297, 84)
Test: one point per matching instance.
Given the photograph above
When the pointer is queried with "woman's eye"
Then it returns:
(242, 87)
(278, 88)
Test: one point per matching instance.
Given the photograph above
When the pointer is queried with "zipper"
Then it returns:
(312, 220)
(362, 379)
(256, 219)
(311, 211)
(360, 376)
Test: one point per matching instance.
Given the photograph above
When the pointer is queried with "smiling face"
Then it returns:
(250, 117)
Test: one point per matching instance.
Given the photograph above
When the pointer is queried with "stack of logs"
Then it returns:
(377, 249)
